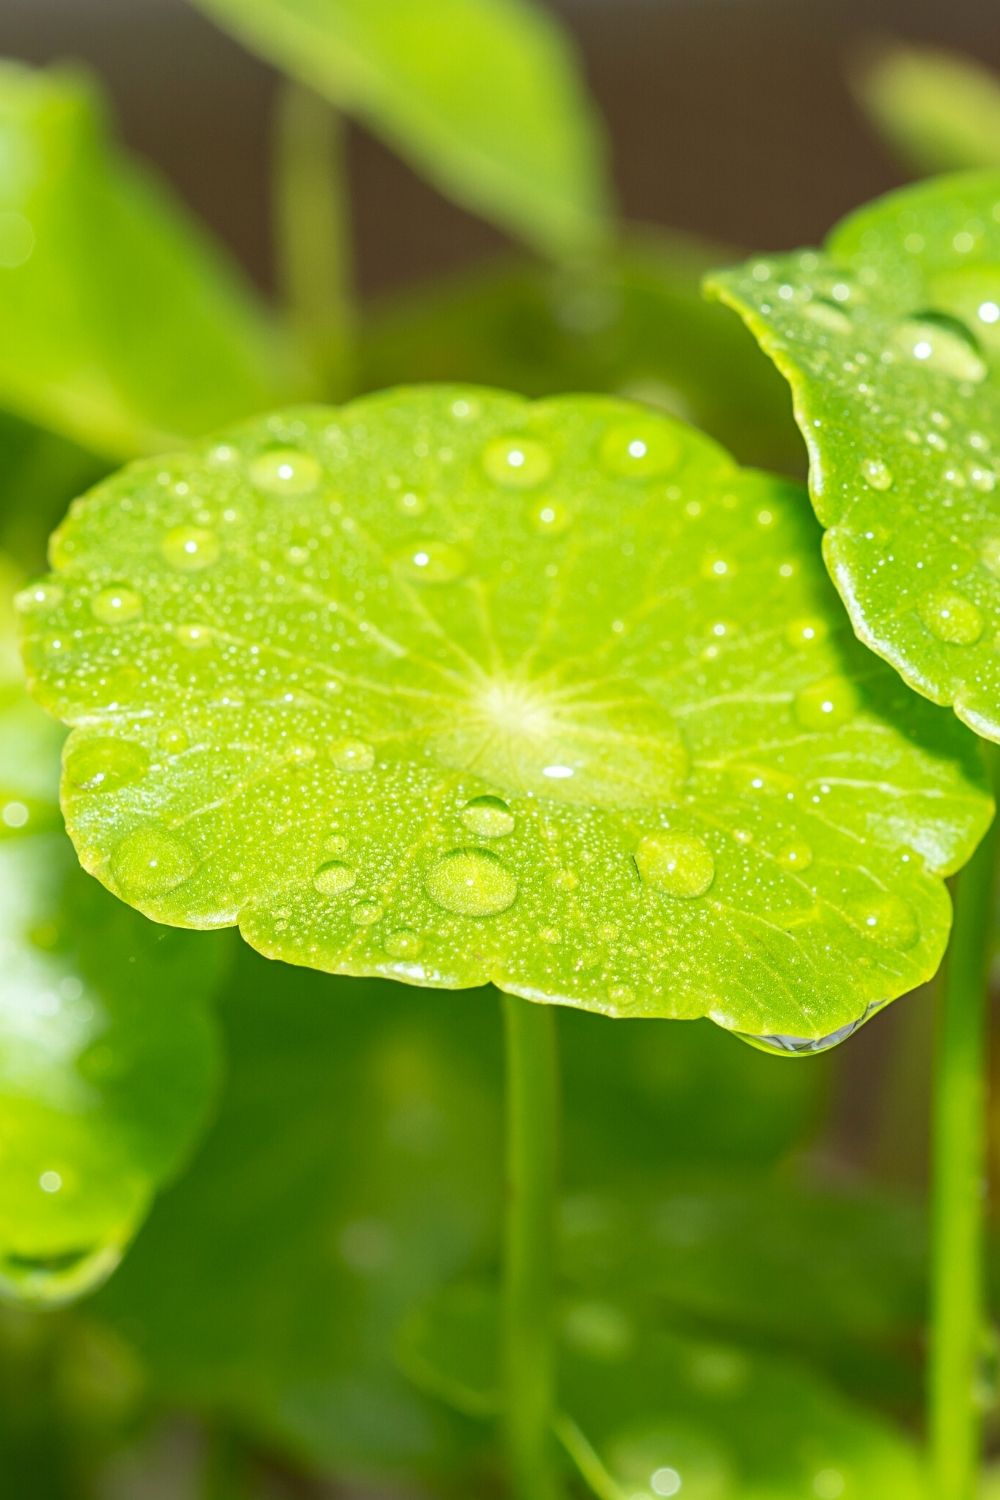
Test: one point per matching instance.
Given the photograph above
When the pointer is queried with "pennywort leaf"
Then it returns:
(449, 687)
(890, 340)
(484, 96)
(938, 109)
(123, 326)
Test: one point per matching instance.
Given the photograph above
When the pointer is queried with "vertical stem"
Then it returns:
(313, 234)
(958, 1169)
(528, 1333)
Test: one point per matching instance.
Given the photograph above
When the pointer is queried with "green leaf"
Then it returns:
(637, 326)
(645, 1413)
(890, 340)
(939, 110)
(122, 325)
(40, 473)
(484, 96)
(451, 688)
(108, 1058)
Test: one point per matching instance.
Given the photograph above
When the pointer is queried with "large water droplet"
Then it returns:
(678, 864)
(38, 597)
(888, 919)
(516, 462)
(487, 817)
(103, 765)
(942, 344)
(352, 755)
(116, 604)
(334, 877)
(804, 1046)
(431, 562)
(190, 548)
(285, 471)
(824, 704)
(826, 315)
(640, 449)
(149, 862)
(951, 617)
(472, 882)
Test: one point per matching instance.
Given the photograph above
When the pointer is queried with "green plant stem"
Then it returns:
(528, 1331)
(313, 235)
(958, 1168)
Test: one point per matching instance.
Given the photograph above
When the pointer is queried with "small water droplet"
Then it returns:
(365, 913)
(826, 703)
(116, 604)
(565, 880)
(678, 864)
(888, 919)
(951, 617)
(352, 755)
(173, 740)
(942, 344)
(193, 637)
(285, 471)
(549, 517)
(411, 503)
(334, 877)
(876, 473)
(150, 862)
(404, 943)
(516, 462)
(795, 856)
(643, 448)
(105, 764)
(487, 817)
(472, 882)
(805, 632)
(431, 562)
(190, 548)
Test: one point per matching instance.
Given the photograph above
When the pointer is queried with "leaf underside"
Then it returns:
(890, 340)
(449, 687)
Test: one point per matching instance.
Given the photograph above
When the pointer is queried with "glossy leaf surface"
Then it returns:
(481, 95)
(108, 1057)
(452, 688)
(646, 1414)
(939, 110)
(123, 326)
(637, 326)
(890, 340)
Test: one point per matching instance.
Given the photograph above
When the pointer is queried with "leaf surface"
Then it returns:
(484, 96)
(939, 110)
(890, 340)
(452, 688)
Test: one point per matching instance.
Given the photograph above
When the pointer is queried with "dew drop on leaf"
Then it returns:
(517, 463)
(472, 882)
(352, 755)
(637, 450)
(404, 943)
(103, 765)
(334, 877)
(285, 471)
(431, 562)
(941, 344)
(487, 817)
(951, 617)
(149, 862)
(191, 548)
(795, 856)
(823, 704)
(550, 517)
(115, 605)
(876, 473)
(678, 864)
(889, 919)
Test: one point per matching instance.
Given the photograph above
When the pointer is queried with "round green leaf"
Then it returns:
(890, 340)
(450, 687)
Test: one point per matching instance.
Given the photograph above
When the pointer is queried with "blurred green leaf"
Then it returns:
(123, 326)
(40, 472)
(939, 110)
(450, 687)
(646, 1414)
(637, 327)
(890, 341)
(108, 1057)
(484, 96)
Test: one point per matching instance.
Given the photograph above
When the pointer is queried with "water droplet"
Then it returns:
(38, 596)
(103, 765)
(411, 503)
(149, 862)
(942, 344)
(678, 864)
(193, 636)
(827, 315)
(715, 567)
(802, 1046)
(352, 755)
(472, 882)
(876, 473)
(487, 817)
(116, 604)
(404, 943)
(828, 702)
(334, 877)
(190, 548)
(990, 554)
(549, 517)
(805, 632)
(640, 449)
(888, 919)
(565, 880)
(951, 617)
(517, 463)
(51, 1280)
(431, 562)
(365, 913)
(285, 471)
(173, 740)
(795, 856)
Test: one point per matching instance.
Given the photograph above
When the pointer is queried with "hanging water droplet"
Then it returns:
(150, 862)
(431, 562)
(888, 919)
(678, 864)
(352, 755)
(404, 943)
(116, 604)
(801, 1046)
(876, 473)
(795, 856)
(640, 449)
(941, 344)
(190, 548)
(951, 617)
(472, 882)
(285, 471)
(105, 764)
(487, 817)
(334, 877)
(50, 1280)
(516, 462)
(824, 704)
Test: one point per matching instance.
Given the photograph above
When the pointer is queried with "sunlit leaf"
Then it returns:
(122, 325)
(638, 326)
(646, 1414)
(450, 687)
(938, 109)
(108, 1058)
(484, 96)
(890, 340)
